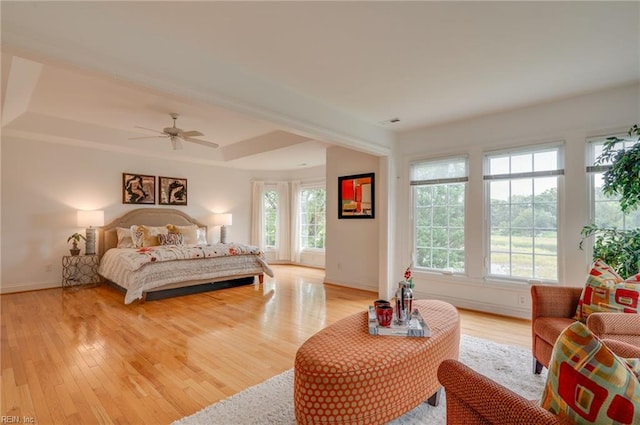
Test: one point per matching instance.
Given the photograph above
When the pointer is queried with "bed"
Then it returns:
(179, 267)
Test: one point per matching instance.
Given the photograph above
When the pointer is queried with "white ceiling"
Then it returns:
(274, 83)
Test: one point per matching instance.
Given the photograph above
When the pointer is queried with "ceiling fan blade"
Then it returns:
(192, 133)
(201, 142)
(150, 129)
(147, 137)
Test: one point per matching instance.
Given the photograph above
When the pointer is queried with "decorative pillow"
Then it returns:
(605, 291)
(170, 238)
(202, 236)
(136, 236)
(144, 236)
(633, 279)
(124, 238)
(588, 384)
(189, 233)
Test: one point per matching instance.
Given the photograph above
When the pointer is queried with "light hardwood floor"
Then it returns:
(81, 356)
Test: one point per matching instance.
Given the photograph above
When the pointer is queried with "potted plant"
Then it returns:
(74, 250)
(620, 249)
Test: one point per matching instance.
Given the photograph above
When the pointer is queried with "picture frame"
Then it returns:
(356, 196)
(172, 191)
(138, 189)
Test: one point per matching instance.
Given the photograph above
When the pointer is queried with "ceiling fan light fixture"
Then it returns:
(176, 143)
(177, 135)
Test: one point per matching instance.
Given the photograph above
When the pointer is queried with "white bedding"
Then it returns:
(117, 266)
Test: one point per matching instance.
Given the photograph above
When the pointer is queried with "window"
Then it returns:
(605, 210)
(438, 208)
(270, 216)
(312, 218)
(522, 193)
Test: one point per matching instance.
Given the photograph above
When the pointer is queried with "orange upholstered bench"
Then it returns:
(343, 375)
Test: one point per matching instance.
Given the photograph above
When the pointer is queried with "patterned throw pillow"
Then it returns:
(588, 384)
(136, 236)
(170, 238)
(144, 236)
(189, 232)
(605, 291)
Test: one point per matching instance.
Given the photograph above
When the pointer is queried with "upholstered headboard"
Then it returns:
(108, 237)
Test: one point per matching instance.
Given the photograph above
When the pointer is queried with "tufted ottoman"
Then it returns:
(343, 375)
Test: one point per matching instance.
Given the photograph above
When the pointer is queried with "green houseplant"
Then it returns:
(620, 249)
(74, 239)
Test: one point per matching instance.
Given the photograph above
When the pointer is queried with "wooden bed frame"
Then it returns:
(108, 238)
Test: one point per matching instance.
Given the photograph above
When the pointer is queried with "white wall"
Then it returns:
(569, 120)
(44, 184)
(352, 245)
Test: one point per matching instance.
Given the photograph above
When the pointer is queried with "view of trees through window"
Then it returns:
(439, 239)
(438, 205)
(524, 230)
(312, 218)
(270, 209)
(606, 209)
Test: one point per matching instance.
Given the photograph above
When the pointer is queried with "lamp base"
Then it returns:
(223, 234)
(90, 243)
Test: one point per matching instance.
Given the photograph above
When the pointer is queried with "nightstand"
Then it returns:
(80, 270)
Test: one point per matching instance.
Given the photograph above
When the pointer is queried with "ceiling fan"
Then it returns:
(177, 135)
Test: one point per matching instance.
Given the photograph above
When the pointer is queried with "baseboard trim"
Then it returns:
(499, 309)
(29, 287)
(353, 285)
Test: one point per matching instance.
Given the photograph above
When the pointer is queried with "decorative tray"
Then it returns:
(415, 327)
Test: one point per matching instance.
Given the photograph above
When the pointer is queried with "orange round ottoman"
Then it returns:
(343, 375)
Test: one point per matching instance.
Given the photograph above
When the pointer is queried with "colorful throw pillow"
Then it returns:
(633, 279)
(170, 238)
(605, 291)
(588, 384)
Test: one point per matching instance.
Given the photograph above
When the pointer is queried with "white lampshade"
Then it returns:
(90, 218)
(222, 219)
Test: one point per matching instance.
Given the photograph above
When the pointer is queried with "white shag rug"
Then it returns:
(271, 402)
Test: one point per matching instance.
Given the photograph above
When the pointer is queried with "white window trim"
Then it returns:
(592, 169)
(412, 200)
(313, 184)
(487, 178)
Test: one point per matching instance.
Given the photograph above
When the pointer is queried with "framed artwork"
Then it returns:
(172, 191)
(356, 196)
(138, 189)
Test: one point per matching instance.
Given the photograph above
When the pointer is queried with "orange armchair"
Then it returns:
(553, 309)
(474, 399)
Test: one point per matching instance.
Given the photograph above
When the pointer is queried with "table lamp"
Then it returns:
(222, 220)
(90, 220)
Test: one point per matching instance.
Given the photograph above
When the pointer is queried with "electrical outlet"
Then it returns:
(48, 267)
(522, 300)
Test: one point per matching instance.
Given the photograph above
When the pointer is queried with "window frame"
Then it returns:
(268, 187)
(299, 212)
(558, 172)
(441, 181)
(593, 170)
